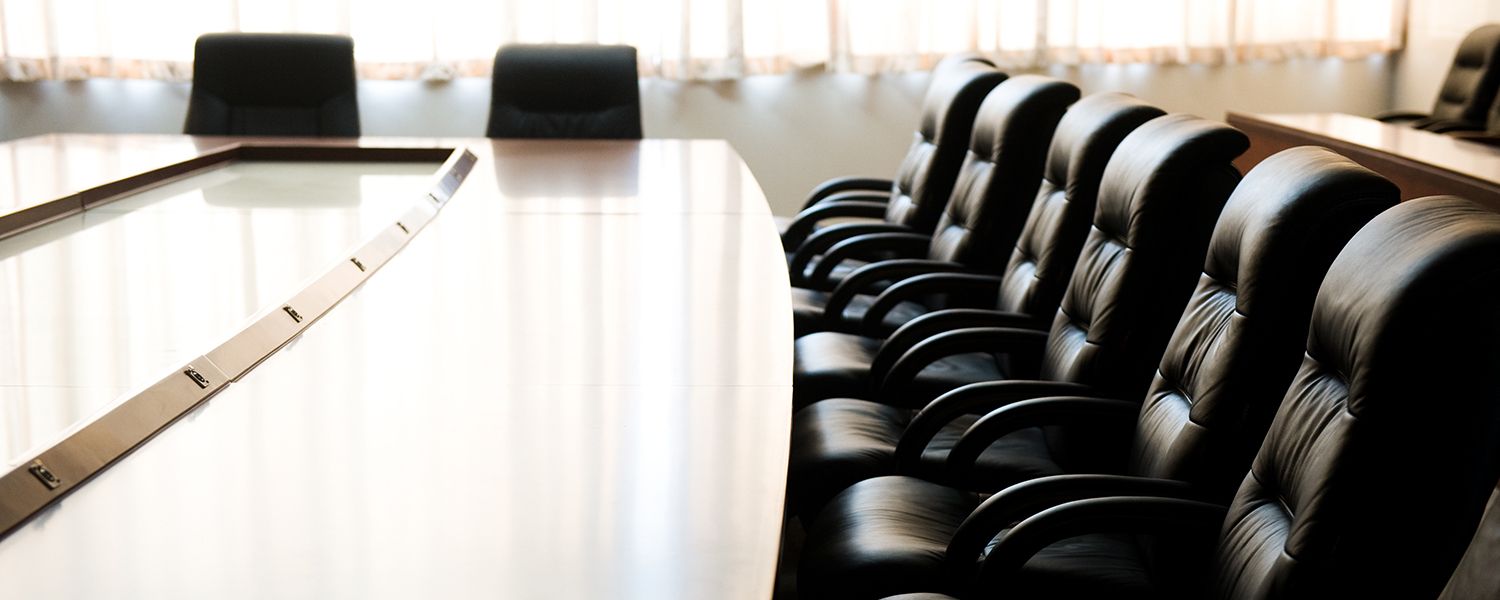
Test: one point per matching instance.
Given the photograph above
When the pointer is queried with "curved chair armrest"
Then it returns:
(917, 330)
(1144, 515)
(970, 399)
(903, 245)
(894, 387)
(1029, 498)
(845, 184)
(1399, 116)
(863, 279)
(1036, 412)
(802, 226)
(1451, 125)
(966, 285)
(823, 239)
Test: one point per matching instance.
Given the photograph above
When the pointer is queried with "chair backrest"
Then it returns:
(1160, 195)
(273, 84)
(926, 176)
(1476, 575)
(997, 183)
(1240, 339)
(1385, 448)
(1473, 80)
(1047, 246)
(570, 91)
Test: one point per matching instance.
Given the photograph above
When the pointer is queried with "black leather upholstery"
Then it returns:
(1161, 193)
(273, 84)
(1385, 448)
(1476, 575)
(1469, 89)
(993, 193)
(914, 199)
(565, 91)
(836, 364)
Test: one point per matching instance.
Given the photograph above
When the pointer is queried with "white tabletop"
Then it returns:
(587, 397)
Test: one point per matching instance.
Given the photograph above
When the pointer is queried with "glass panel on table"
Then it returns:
(104, 302)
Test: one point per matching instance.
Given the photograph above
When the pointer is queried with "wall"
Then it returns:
(793, 130)
(1434, 29)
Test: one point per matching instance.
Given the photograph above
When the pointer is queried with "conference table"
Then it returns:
(389, 368)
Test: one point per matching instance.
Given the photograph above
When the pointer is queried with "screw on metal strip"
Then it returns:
(358, 264)
(292, 312)
(197, 377)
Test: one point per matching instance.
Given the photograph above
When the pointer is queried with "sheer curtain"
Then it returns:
(696, 39)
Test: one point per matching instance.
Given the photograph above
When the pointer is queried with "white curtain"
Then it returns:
(696, 39)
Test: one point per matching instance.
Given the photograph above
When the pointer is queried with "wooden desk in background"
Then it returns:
(1421, 163)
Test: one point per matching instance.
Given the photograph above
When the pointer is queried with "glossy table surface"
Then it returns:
(575, 382)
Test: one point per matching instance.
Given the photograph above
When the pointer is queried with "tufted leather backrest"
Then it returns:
(1161, 192)
(998, 180)
(1474, 78)
(925, 179)
(1384, 449)
(1240, 339)
(585, 91)
(1048, 244)
(273, 84)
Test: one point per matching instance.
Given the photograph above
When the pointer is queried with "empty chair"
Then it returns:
(1231, 358)
(1470, 87)
(994, 192)
(834, 364)
(1160, 196)
(913, 200)
(565, 91)
(273, 84)
(1375, 472)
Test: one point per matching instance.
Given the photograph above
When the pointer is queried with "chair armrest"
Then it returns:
(845, 184)
(961, 285)
(863, 280)
(802, 226)
(1399, 116)
(1029, 498)
(1037, 412)
(917, 330)
(903, 245)
(1143, 515)
(823, 239)
(1450, 125)
(970, 399)
(895, 386)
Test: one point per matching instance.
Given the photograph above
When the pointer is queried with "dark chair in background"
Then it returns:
(273, 84)
(993, 194)
(1468, 91)
(565, 91)
(913, 200)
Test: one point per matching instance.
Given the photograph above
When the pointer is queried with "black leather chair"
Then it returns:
(1232, 356)
(1160, 196)
(1376, 470)
(835, 364)
(1476, 575)
(1471, 86)
(914, 200)
(992, 196)
(568, 91)
(273, 84)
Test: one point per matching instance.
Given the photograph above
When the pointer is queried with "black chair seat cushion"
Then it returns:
(890, 535)
(865, 545)
(841, 441)
(829, 364)
(807, 310)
